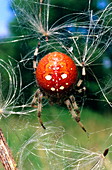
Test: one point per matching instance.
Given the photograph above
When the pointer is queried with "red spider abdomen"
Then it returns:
(56, 72)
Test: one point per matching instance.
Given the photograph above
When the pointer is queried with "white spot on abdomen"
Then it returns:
(64, 76)
(61, 87)
(48, 77)
(52, 89)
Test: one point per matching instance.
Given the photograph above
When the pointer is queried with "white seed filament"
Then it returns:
(1, 111)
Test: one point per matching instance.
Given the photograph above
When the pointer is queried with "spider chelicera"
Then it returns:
(56, 74)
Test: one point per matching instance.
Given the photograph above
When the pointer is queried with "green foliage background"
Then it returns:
(96, 115)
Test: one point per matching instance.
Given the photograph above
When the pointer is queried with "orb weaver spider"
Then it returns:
(56, 73)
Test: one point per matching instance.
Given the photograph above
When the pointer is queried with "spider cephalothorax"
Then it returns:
(56, 74)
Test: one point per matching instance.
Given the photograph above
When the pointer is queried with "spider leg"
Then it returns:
(35, 56)
(36, 53)
(74, 110)
(38, 98)
(81, 88)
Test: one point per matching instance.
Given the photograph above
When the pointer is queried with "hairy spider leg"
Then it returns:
(38, 95)
(74, 110)
(81, 81)
(37, 103)
(35, 57)
(36, 53)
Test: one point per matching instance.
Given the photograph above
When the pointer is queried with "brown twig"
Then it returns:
(5, 154)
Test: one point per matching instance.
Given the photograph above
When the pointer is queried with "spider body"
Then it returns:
(56, 72)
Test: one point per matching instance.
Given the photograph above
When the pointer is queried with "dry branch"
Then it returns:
(6, 157)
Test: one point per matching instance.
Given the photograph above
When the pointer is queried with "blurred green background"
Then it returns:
(96, 114)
